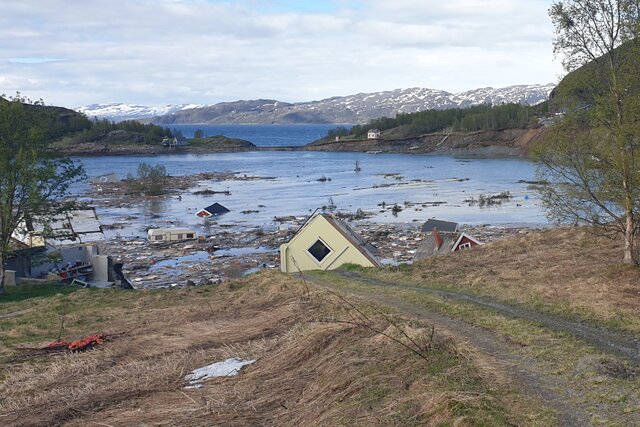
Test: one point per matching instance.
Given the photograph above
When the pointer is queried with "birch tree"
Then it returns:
(32, 183)
(591, 157)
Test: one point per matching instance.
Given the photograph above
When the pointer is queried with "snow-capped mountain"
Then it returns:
(359, 108)
(119, 112)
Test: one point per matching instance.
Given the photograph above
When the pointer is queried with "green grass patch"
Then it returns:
(621, 321)
(28, 291)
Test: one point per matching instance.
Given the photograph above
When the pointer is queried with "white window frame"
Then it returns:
(313, 257)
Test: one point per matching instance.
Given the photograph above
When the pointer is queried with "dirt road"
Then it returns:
(571, 397)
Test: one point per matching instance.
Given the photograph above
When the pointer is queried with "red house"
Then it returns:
(438, 243)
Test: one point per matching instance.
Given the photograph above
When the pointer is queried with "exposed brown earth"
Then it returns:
(508, 142)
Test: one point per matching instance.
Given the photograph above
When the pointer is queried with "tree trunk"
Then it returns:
(628, 241)
(1, 274)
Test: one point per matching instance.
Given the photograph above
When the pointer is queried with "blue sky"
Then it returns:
(74, 52)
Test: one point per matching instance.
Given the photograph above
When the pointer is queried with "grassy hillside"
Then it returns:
(343, 348)
(55, 122)
(566, 271)
(63, 127)
(315, 366)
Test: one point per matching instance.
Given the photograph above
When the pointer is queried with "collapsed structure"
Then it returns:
(65, 248)
(212, 210)
(443, 237)
(325, 243)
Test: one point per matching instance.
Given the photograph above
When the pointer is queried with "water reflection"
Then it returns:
(154, 208)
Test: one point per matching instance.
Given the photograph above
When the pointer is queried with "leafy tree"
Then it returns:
(32, 184)
(339, 131)
(591, 158)
(151, 180)
(199, 133)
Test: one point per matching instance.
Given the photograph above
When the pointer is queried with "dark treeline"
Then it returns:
(481, 117)
(55, 123)
(98, 129)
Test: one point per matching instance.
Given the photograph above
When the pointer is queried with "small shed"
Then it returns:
(374, 134)
(164, 235)
(212, 210)
(325, 243)
(177, 141)
(438, 243)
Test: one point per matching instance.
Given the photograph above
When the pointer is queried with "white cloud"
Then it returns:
(169, 51)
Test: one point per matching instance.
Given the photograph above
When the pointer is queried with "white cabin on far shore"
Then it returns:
(374, 134)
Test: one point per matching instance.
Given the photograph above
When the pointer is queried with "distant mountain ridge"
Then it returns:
(356, 109)
(119, 112)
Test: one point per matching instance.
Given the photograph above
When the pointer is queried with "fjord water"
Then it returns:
(422, 180)
(263, 135)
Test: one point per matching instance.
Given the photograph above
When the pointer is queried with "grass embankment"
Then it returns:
(566, 273)
(316, 365)
(570, 272)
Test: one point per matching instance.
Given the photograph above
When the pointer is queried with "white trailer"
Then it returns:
(163, 235)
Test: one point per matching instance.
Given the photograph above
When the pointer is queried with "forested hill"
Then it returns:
(580, 87)
(472, 119)
(53, 122)
(59, 125)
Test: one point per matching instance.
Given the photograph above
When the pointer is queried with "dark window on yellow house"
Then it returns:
(319, 250)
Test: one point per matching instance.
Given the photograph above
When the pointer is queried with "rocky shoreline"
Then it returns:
(486, 144)
(502, 143)
(210, 145)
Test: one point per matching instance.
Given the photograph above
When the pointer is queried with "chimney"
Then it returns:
(437, 238)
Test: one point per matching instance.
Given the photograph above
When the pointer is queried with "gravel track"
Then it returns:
(564, 396)
(608, 341)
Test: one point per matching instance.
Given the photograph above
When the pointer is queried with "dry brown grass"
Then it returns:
(567, 267)
(311, 370)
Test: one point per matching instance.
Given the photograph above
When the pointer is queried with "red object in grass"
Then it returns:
(57, 345)
(77, 345)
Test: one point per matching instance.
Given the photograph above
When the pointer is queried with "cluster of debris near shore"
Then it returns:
(78, 251)
(231, 253)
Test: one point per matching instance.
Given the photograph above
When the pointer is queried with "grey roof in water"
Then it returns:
(216, 209)
(442, 226)
(429, 247)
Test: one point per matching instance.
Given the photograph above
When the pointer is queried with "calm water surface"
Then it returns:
(295, 189)
(263, 135)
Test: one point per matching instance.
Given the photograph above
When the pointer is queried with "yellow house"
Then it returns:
(325, 243)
